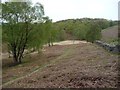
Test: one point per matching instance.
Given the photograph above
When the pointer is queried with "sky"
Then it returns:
(73, 9)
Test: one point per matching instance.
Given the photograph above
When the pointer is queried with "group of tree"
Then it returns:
(83, 29)
(25, 27)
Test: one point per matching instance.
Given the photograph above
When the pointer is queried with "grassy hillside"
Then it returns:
(110, 34)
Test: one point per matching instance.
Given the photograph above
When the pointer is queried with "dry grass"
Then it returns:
(68, 66)
(110, 34)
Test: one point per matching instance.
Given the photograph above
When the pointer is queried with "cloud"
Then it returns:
(64, 9)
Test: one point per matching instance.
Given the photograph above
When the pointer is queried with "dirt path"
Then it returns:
(71, 66)
(67, 42)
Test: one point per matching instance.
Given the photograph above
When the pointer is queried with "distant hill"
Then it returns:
(110, 34)
(78, 28)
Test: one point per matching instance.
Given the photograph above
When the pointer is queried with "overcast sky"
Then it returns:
(72, 9)
(67, 9)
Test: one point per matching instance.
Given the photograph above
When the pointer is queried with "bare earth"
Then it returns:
(68, 66)
(67, 42)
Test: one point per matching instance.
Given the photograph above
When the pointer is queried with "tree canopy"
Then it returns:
(18, 27)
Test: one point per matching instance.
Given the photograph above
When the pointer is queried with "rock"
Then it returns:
(112, 48)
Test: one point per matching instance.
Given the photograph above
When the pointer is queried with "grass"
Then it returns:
(110, 35)
(115, 42)
(39, 62)
(63, 63)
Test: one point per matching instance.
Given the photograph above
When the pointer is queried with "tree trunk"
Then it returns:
(49, 42)
(52, 43)
(15, 59)
(20, 60)
(14, 53)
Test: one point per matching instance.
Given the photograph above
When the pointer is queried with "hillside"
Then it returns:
(81, 29)
(66, 66)
(38, 52)
(110, 34)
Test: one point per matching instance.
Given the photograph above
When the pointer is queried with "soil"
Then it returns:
(80, 65)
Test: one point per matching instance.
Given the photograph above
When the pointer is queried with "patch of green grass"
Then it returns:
(114, 41)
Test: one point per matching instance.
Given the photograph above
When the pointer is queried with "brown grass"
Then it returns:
(110, 34)
(69, 66)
